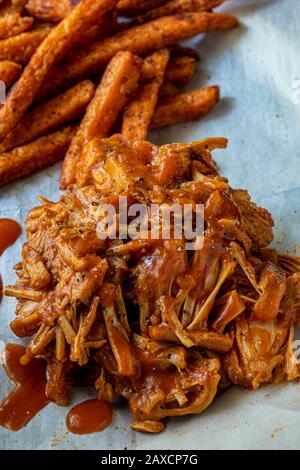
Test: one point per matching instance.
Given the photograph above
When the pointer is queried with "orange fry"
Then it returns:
(50, 115)
(118, 83)
(9, 72)
(130, 8)
(19, 3)
(139, 40)
(185, 107)
(178, 6)
(14, 24)
(167, 90)
(25, 160)
(179, 51)
(104, 28)
(21, 48)
(54, 47)
(8, 7)
(181, 70)
(49, 10)
(139, 112)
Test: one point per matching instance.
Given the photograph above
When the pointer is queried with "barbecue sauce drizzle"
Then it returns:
(9, 233)
(28, 397)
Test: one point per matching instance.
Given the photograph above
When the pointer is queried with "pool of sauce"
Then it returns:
(89, 417)
(28, 397)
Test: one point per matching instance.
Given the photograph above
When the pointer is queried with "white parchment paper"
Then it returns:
(256, 66)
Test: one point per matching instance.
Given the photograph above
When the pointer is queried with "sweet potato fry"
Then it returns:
(185, 107)
(139, 40)
(118, 83)
(131, 8)
(139, 112)
(50, 115)
(11, 6)
(180, 51)
(50, 10)
(19, 3)
(167, 90)
(181, 70)
(53, 49)
(25, 160)
(9, 72)
(104, 28)
(178, 6)
(153, 64)
(21, 48)
(14, 24)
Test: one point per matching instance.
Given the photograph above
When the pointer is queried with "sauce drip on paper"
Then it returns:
(89, 417)
(28, 398)
(9, 233)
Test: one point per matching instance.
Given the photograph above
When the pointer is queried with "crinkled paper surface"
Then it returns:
(256, 66)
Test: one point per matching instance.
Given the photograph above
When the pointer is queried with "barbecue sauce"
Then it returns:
(29, 397)
(9, 233)
(89, 417)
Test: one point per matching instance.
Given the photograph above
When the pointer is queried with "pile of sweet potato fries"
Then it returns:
(58, 53)
(148, 320)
